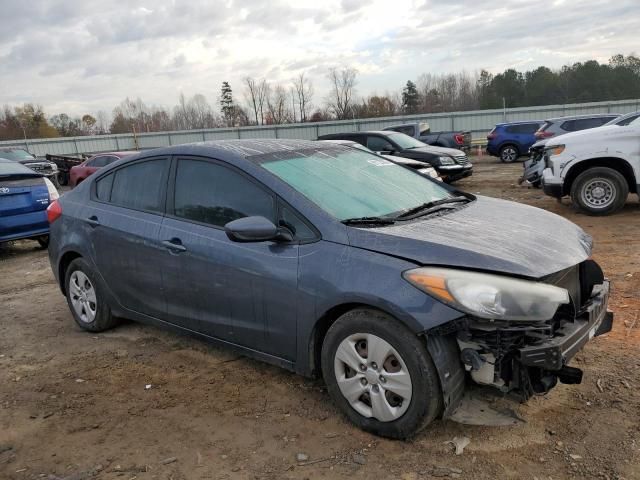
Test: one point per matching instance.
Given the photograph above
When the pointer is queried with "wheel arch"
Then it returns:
(615, 163)
(63, 265)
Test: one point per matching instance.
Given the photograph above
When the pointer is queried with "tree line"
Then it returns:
(262, 102)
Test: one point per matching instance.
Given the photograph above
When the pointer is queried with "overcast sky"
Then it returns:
(81, 56)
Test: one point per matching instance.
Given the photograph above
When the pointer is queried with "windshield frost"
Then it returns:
(347, 183)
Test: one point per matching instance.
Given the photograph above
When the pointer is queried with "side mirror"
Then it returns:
(256, 229)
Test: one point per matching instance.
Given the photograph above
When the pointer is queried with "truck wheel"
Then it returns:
(380, 374)
(86, 302)
(599, 191)
(509, 154)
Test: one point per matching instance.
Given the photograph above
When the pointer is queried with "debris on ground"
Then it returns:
(459, 443)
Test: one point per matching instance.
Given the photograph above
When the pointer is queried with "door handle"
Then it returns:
(93, 221)
(174, 245)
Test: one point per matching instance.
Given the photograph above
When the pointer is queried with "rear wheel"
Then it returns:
(599, 191)
(380, 374)
(86, 301)
(509, 154)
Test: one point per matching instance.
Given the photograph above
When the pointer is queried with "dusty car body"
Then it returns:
(397, 289)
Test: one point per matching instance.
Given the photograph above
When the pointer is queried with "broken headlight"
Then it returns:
(489, 296)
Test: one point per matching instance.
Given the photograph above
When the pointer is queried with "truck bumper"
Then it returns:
(451, 175)
(550, 185)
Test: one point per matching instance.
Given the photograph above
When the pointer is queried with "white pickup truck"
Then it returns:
(597, 168)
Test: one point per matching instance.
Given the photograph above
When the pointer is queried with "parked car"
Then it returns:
(450, 164)
(597, 168)
(405, 162)
(324, 259)
(44, 167)
(91, 165)
(534, 166)
(422, 131)
(508, 141)
(558, 126)
(24, 198)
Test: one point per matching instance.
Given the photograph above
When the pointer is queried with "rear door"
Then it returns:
(124, 218)
(23, 203)
(244, 293)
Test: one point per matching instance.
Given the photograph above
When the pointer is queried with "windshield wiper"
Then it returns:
(368, 221)
(426, 207)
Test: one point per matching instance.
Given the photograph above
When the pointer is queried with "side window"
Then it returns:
(378, 144)
(569, 126)
(406, 130)
(140, 186)
(301, 231)
(210, 193)
(100, 161)
(103, 188)
(530, 128)
(110, 159)
(627, 121)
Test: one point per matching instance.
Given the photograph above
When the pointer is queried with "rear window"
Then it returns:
(523, 128)
(139, 186)
(14, 168)
(544, 126)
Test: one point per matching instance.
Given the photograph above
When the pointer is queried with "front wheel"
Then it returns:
(380, 374)
(599, 191)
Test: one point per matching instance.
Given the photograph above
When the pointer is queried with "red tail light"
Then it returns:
(459, 139)
(54, 211)
(543, 134)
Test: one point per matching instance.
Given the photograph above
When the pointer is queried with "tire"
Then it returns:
(97, 314)
(403, 410)
(599, 191)
(509, 153)
(43, 241)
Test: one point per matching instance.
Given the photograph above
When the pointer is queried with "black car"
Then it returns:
(44, 167)
(451, 164)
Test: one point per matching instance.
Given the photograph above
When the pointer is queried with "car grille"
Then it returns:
(462, 159)
(39, 167)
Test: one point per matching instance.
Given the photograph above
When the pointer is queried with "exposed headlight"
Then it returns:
(557, 150)
(53, 193)
(54, 167)
(489, 296)
(446, 161)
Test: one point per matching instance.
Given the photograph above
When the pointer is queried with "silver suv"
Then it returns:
(557, 126)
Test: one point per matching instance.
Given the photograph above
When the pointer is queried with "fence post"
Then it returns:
(169, 138)
(117, 144)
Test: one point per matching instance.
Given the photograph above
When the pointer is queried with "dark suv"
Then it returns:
(451, 164)
(512, 140)
(399, 290)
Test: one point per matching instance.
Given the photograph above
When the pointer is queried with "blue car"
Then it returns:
(24, 198)
(399, 290)
(512, 140)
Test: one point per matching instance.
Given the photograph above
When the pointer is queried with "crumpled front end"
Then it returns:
(529, 358)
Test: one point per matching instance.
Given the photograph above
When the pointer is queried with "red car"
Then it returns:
(80, 172)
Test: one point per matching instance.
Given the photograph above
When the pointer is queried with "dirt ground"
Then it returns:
(140, 402)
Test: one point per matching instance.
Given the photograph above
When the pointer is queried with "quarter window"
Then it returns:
(103, 188)
(209, 193)
(378, 144)
(139, 186)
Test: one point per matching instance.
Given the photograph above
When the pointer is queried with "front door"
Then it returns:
(243, 293)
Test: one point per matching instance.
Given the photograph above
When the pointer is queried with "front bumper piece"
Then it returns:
(594, 320)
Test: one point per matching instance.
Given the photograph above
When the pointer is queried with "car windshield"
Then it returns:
(16, 154)
(405, 141)
(348, 183)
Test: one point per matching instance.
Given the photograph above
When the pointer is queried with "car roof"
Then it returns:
(578, 117)
(238, 150)
(521, 122)
(121, 154)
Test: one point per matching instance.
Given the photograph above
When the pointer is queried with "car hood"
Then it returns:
(430, 149)
(489, 235)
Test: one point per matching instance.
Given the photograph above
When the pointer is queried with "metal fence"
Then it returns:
(479, 122)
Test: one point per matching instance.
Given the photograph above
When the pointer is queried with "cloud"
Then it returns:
(80, 56)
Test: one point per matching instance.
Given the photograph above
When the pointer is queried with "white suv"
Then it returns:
(597, 168)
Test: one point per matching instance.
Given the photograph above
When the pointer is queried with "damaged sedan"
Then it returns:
(400, 291)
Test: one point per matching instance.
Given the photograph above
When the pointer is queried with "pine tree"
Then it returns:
(226, 103)
(410, 98)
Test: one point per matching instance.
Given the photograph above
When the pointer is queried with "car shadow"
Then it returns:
(17, 248)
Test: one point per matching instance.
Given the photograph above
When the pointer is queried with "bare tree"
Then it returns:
(277, 105)
(256, 96)
(343, 84)
(304, 92)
